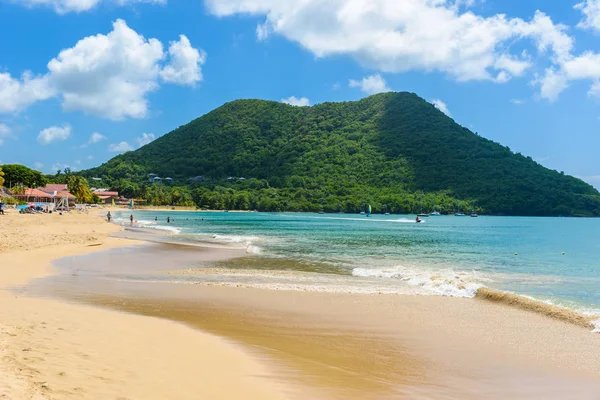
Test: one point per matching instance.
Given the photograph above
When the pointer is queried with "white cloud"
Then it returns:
(552, 84)
(583, 67)
(106, 75)
(184, 68)
(145, 139)
(90, 157)
(38, 165)
(94, 138)
(54, 134)
(5, 133)
(67, 6)
(17, 94)
(591, 14)
(371, 84)
(595, 89)
(120, 147)
(388, 35)
(294, 101)
(517, 101)
(440, 105)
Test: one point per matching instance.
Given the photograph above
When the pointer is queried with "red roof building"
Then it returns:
(53, 188)
(102, 193)
(35, 193)
(65, 193)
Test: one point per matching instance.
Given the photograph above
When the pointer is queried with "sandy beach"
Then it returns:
(54, 350)
(191, 341)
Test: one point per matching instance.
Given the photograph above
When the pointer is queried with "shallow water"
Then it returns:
(550, 259)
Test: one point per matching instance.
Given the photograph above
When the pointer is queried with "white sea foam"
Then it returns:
(596, 326)
(253, 249)
(444, 282)
(171, 229)
(236, 238)
(146, 224)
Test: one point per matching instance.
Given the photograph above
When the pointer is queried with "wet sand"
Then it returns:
(51, 350)
(349, 345)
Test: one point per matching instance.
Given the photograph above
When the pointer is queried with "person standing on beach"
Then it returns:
(108, 216)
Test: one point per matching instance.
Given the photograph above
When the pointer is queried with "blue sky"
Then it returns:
(82, 80)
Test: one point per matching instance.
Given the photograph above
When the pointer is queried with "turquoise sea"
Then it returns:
(554, 260)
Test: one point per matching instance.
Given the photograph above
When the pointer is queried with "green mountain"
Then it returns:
(393, 150)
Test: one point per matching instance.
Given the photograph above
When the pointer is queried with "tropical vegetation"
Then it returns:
(394, 151)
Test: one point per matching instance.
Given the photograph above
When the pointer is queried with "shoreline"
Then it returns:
(339, 345)
(483, 293)
(351, 346)
(52, 349)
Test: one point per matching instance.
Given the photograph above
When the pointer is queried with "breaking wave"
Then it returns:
(443, 282)
(145, 224)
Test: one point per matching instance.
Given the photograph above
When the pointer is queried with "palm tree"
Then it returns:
(79, 187)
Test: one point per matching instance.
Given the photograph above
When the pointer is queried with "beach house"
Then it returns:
(106, 195)
(54, 188)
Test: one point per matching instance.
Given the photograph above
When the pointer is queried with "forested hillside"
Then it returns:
(393, 150)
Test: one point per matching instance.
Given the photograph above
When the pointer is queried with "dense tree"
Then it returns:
(394, 150)
(15, 174)
(79, 187)
(1, 177)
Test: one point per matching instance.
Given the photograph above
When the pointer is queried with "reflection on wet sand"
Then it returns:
(348, 345)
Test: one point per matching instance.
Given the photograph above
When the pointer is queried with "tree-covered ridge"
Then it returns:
(393, 150)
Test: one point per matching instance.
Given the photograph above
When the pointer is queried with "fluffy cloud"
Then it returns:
(583, 67)
(371, 84)
(38, 165)
(591, 14)
(294, 101)
(145, 139)
(5, 133)
(388, 34)
(94, 138)
(440, 105)
(184, 68)
(106, 75)
(120, 147)
(54, 134)
(67, 6)
(16, 94)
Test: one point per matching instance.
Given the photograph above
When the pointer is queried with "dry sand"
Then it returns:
(55, 350)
